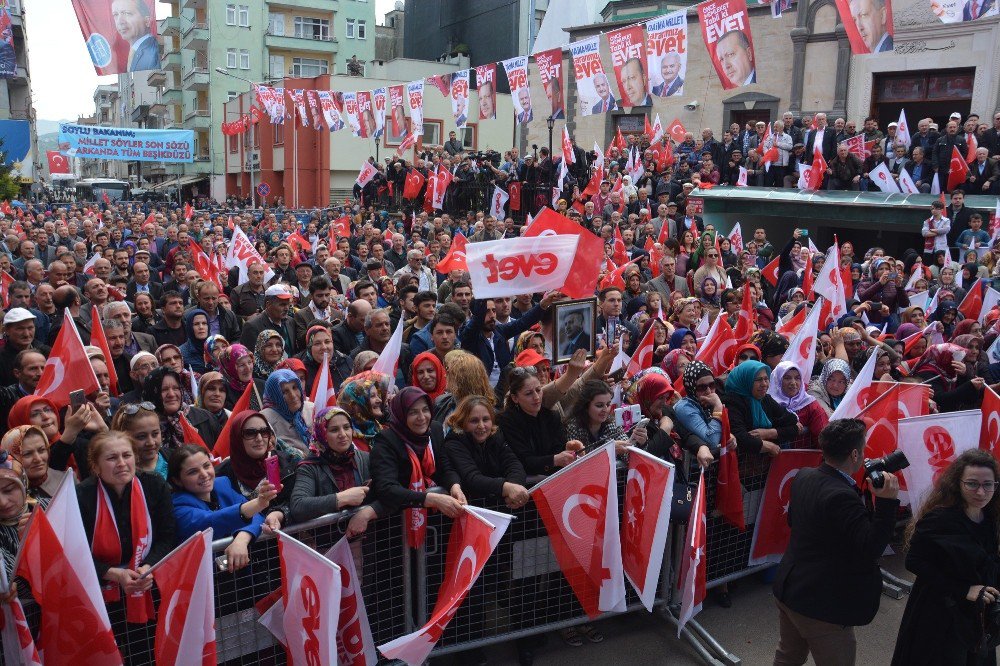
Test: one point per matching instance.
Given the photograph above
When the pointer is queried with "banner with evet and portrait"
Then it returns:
(520, 93)
(460, 98)
(120, 34)
(725, 27)
(550, 70)
(593, 89)
(666, 54)
(486, 87)
(628, 60)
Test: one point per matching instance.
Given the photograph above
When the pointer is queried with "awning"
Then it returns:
(178, 182)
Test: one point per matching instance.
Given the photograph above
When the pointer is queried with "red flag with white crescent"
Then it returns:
(583, 273)
(310, 594)
(959, 169)
(747, 317)
(770, 272)
(771, 531)
(57, 162)
(989, 436)
(931, 443)
(676, 130)
(645, 521)
(719, 347)
(728, 491)
(455, 259)
(694, 567)
(793, 323)
(413, 183)
(185, 629)
(802, 348)
(643, 356)
(67, 368)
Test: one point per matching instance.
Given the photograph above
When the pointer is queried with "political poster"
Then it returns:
(366, 114)
(351, 112)
(415, 99)
(120, 34)
(331, 104)
(868, 24)
(18, 149)
(550, 70)
(460, 98)
(627, 58)
(666, 54)
(486, 87)
(126, 143)
(379, 98)
(397, 112)
(592, 86)
(725, 27)
(520, 93)
(8, 56)
(957, 11)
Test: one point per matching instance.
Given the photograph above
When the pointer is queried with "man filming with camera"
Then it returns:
(829, 581)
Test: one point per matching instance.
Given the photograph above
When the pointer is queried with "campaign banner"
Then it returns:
(550, 69)
(18, 149)
(958, 11)
(415, 99)
(509, 267)
(127, 144)
(379, 98)
(931, 443)
(366, 114)
(460, 98)
(317, 116)
(351, 111)
(279, 106)
(592, 86)
(627, 50)
(273, 101)
(8, 56)
(666, 54)
(520, 94)
(725, 27)
(486, 88)
(120, 35)
(298, 98)
(331, 109)
(397, 112)
(869, 26)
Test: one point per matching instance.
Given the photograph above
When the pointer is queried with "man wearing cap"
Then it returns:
(943, 151)
(18, 335)
(277, 301)
(140, 366)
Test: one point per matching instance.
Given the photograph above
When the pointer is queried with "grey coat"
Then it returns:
(315, 491)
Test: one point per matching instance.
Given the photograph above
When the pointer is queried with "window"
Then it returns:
(231, 95)
(432, 133)
(234, 142)
(350, 28)
(230, 14)
(277, 67)
(244, 59)
(244, 12)
(279, 134)
(361, 29)
(312, 28)
(231, 58)
(276, 24)
(468, 137)
(307, 68)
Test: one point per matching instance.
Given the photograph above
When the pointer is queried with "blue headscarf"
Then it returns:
(677, 337)
(276, 401)
(740, 382)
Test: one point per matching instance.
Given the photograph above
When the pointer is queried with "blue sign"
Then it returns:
(126, 144)
(263, 189)
(16, 135)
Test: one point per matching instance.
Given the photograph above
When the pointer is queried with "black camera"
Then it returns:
(876, 468)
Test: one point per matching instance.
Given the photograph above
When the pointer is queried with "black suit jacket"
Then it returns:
(830, 571)
(829, 147)
(155, 290)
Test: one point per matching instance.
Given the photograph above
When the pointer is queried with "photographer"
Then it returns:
(953, 551)
(829, 581)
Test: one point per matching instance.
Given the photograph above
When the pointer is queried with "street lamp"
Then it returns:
(550, 123)
(253, 187)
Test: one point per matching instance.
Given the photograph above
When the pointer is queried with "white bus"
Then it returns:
(94, 189)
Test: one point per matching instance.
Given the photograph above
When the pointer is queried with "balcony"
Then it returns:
(320, 5)
(169, 27)
(171, 61)
(157, 78)
(172, 97)
(326, 45)
(199, 119)
(196, 78)
(195, 36)
(194, 4)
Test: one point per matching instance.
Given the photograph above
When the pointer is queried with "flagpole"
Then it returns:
(295, 149)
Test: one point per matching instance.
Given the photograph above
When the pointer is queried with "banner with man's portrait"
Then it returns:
(520, 94)
(628, 60)
(868, 24)
(666, 54)
(592, 86)
(486, 87)
(550, 69)
(120, 34)
(725, 27)
(460, 98)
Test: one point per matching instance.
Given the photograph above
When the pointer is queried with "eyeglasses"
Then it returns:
(705, 388)
(988, 486)
(254, 433)
(132, 408)
(712, 256)
(527, 370)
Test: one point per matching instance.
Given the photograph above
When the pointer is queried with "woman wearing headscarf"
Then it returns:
(831, 385)
(363, 397)
(335, 476)
(268, 352)
(214, 346)
(947, 314)
(942, 368)
(29, 446)
(675, 361)
(15, 510)
(683, 338)
(212, 396)
(236, 366)
(788, 390)
(319, 345)
(163, 389)
(251, 440)
(170, 356)
(698, 416)
(69, 442)
(946, 281)
(884, 286)
(427, 373)
(528, 339)
(196, 329)
(408, 458)
(287, 410)
(759, 424)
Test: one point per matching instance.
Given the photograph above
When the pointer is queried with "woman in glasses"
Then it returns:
(953, 551)
(29, 446)
(69, 443)
(698, 416)
(760, 425)
(789, 390)
(202, 500)
(164, 390)
(236, 366)
(142, 423)
(251, 440)
(592, 420)
(287, 410)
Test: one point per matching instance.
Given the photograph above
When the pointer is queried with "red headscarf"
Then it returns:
(20, 413)
(442, 378)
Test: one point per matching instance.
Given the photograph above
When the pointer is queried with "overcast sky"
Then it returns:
(62, 76)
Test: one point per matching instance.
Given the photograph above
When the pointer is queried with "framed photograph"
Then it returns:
(575, 328)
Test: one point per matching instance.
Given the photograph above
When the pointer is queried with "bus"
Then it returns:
(94, 189)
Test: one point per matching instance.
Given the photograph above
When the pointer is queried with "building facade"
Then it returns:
(15, 99)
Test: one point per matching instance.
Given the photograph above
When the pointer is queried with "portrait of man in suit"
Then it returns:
(975, 8)
(572, 333)
(554, 92)
(338, 121)
(870, 18)
(734, 52)
(670, 70)
(634, 83)
(132, 20)
(459, 114)
(524, 101)
(603, 89)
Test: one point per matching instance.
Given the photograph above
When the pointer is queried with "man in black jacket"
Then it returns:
(829, 581)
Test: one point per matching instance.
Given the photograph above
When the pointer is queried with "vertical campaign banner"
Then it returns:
(460, 98)
(415, 99)
(666, 54)
(278, 99)
(379, 96)
(366, 114)
(957, 11)
(725, 27)
(868, 24)
(317, 116)
(520, 94)
(397, 112)
(8, 56)
(486, 87)
(351, 111)
(550, 69)
(120, 34)
(331, 108)
(628, 60)
(298, 106)
(592, 86)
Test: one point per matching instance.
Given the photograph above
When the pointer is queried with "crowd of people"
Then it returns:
(476, 406)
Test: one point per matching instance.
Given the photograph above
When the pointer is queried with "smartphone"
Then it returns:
(273, 471)
(222, 563)
(77, 398)
(804, 233)
(893, 275)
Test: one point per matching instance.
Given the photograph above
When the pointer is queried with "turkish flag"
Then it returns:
(728, 491)
(770, 272)
(514, 189)
(414, 182)
(649, 488)
(299, 243)
(676, 130)
(310, 594)
(192, 436)
(594, 186)
(18, 643)
(185, 629)
(221, 447)
(818, 170)
(323, 393)
(719, 347)
(793, 324)
(858, 394)
(931, 443)
(971, 144)
(882, 415)
(693, 563)
(614, 277)
(441, 183)
(643, 356)
(959, 169)
(620, 254)
(474, 536)
(807, 279)
(801, 349)
(583, 274)
(972, 305)
(747, 317)
(771, 530)
(579, 506)
(340, 228)
(75, 628)
(98, 339)
(67, 368)
(57, 162)
(656, 253)
(770, 156)
(455, 259)
(567, 147)
(188, 211)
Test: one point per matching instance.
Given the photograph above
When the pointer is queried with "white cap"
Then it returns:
(138, 357)
(278, 291)
(15, 315)
(955, 116)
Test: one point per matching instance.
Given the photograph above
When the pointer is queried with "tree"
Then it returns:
(9, 187)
